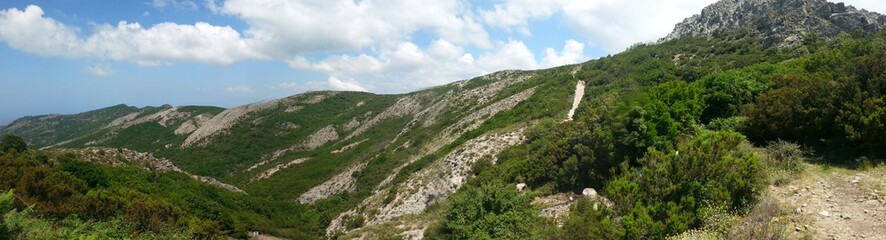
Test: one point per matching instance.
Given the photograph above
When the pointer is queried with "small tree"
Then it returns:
(10, 142)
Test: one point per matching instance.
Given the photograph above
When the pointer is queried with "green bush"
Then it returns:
(12, 142)
(668, 192)
(494, 211)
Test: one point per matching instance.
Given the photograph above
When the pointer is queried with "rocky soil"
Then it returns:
(836, 203)
(576, 99)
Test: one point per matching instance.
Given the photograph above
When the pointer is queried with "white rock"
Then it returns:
(824, 213)
(521, 186)
(589, 192)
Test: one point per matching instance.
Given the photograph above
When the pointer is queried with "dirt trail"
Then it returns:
(579, 94)
(833, 203)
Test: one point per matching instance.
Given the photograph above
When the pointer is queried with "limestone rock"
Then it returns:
(783, 23)
(589, 192)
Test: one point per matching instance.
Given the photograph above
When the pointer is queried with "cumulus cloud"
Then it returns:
(297, 27)
(100, 70)
(344, 85)
(573, 52)
(407, 66)
(610, 24)
(365, 45)
(515, 14)
(29, 31)
(615, 25)
(239, 89)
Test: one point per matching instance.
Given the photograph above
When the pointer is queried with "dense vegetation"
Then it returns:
(669, 130)
(57, 195)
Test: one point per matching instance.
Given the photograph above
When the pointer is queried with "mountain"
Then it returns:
(780, 22)
(662, 135)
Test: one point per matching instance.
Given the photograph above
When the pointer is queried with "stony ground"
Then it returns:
(836, 203)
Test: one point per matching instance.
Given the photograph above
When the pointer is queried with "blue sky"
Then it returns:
(68, 56)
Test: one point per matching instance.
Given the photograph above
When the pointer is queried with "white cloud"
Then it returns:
(344, 85)
(288, 28)
(366, 45)
(611, 24)
(174, 4)
(573, 52)
(100, 70)
(517, 13)
(870, 5)
(406, 66)
(615, 25)
(239, 89)
(27, 30)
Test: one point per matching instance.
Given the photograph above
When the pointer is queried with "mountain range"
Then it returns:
(376, 165)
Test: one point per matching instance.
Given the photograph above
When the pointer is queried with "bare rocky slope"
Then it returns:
(780, 22)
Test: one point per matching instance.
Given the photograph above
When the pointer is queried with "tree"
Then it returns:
(10, 142)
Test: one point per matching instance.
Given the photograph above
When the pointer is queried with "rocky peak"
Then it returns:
(779, 22)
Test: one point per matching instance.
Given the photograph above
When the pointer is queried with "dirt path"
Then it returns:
(835, 203)
(579, 94)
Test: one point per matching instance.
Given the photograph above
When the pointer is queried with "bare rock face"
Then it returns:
(433, 183)
(193, 124)
(343, 182)
(225, 120)
(783, 23)
(271, 171)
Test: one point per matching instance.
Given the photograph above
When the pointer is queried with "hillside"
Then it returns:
(666, 137)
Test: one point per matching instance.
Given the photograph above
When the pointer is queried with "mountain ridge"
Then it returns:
(783, 23)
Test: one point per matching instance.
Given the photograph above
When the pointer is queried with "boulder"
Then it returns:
(589, 192)
(521, 186)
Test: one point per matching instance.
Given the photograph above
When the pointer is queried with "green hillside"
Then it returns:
(667, 138)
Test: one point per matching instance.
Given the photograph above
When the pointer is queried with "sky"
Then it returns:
(69, 56)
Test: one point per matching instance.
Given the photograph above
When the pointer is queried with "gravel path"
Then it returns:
(837, 203)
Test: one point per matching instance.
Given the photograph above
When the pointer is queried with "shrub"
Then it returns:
(786, 156)
(670, 190)
(494, 211)
(765, 221)
(12, 142)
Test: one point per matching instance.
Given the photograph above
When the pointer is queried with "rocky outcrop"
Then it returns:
(192, 125)
(321, 137)
(404, 106)
(225, 120)
(433, 183)
(348, 147)
(783, 23)
(163, 118)
(315, 140)
(343, 182)
(271, 171)
(122, 157)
